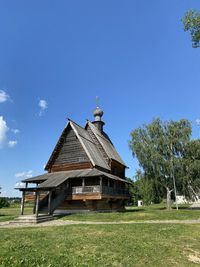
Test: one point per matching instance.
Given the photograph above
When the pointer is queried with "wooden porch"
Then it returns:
(46, 200)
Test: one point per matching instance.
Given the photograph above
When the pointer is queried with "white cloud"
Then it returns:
(43, 105)
(3, 96)
(24, 174)
(12, 143)
(3, 134)
(3, 131)
(15, 131)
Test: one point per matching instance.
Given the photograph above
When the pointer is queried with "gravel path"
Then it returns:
(69, 222)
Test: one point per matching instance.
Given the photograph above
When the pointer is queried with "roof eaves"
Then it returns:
(56, 146)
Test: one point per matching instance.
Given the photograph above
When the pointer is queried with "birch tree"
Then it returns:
(159, 148)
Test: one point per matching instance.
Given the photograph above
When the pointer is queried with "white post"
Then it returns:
(172, 173)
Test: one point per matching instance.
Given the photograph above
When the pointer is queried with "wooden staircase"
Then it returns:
(56, 201)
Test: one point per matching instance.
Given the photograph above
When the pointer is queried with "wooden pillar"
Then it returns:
(83, 182)
(22, 203)
(37, 203)
(34, 205)
(101, 184)
(108, 182)
(35, 200)
(49, 202)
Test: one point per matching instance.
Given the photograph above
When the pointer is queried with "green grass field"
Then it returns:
(135, 216)
(153, 212)
(101, 245)
(104, 245)
(7, 214)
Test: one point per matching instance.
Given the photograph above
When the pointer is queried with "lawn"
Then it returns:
(7, 214)
(153, 212)
(101, 245)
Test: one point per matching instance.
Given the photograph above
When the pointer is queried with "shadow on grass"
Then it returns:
(131, 210)
(60, 216)
(181, 208)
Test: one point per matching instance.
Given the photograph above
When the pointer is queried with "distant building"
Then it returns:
(85, 172)
(180, 199)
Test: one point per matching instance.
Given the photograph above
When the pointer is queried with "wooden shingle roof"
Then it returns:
(54, 179)
(106, 144)
(98, 157)
(90, 147)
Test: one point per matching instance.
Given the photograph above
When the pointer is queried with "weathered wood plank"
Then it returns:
(69, 167)
(71, 151)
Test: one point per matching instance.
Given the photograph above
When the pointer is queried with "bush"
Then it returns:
(4, 202)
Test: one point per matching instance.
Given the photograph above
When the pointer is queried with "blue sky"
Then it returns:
(57, 56)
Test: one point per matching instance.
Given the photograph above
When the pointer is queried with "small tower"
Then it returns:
(98, 113)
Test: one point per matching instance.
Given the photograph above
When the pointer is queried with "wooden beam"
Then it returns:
(49, 202)
(22, 203)
(37, 202)
(83, 182)
(34, 205)
(70, 166)
(101, 184)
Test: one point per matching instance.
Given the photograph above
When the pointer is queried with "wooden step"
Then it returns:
(32, 219)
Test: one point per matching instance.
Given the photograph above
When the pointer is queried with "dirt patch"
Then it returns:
(192, 255)
(194, 258)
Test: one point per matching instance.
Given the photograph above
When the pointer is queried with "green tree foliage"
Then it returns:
(4, 202)
(142, 189)
(191, 170)
(191, 22)
(159, 148)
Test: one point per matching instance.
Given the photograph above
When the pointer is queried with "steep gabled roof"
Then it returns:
(89, 146)
(87, 143)
(105, 143)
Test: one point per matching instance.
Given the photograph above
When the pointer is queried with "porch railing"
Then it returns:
(115, 191)
(105, 190)
(86, 189)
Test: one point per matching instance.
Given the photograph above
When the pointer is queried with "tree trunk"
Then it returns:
(169, 202)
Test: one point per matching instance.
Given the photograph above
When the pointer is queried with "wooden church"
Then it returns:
(84, 173)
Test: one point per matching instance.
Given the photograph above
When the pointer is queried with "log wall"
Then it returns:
(69, 167)
(117, 169)
(93, 205)
(71, 150)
